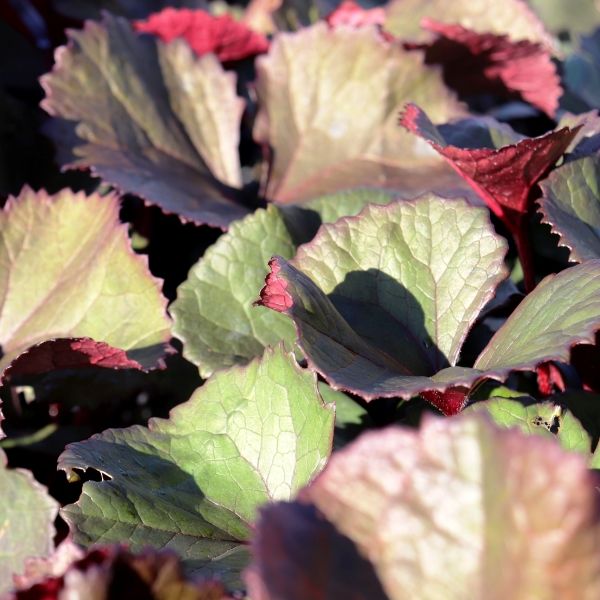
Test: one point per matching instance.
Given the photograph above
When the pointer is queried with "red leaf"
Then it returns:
(223, 36)
(450, 401)
(550, 379)
(485, 62)
(69, 353)
(351, 14)
(274, 294)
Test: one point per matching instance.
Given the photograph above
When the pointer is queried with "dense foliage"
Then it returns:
(300, 299)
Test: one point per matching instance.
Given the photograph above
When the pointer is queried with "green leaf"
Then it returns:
(512, 17)
(214, 315)
(570, 204)
(153, 119)
(330, 114)
(27, 516)
(194, 482)
(541, 418)
(460, 509)
(562, 311)
(384, 300)
(68, 271)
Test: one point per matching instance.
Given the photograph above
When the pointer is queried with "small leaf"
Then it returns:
(213, 314)
(158, 123)
(68, 272)
(459, 509)
(329, 114)
(194, 482)
(570, 204)
(476, 63)
(27, 516)
(228, 39)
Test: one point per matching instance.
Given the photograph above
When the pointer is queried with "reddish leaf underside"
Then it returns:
(485, 62)
(273, 295)
(503, 177)
(69, 353)
(222, 35)
(351, 14)
(450, 401)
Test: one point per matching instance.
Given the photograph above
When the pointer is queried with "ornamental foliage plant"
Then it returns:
(300, 300)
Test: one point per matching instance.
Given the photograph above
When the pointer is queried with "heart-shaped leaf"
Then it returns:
(222, 35)
(27, 516)
(194, 482)
(213, 314)
(329, 115)
(459, 509)
(153, 120)
(570, 204)
(68, 271)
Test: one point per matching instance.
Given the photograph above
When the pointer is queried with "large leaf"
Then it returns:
(385, 299)
(153, 120)
(330, 114)
(193, 483)
(582, 72)
(512, 17)
(27, 516)
(460, 509)
(68, 271)
(213, 314)
(570, 204)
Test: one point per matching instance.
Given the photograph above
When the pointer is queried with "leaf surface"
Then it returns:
(328, 102)
(214, 315)
(194, 482)
(68, 271)
(158, 123)
(570, 204)
(27, 516)
(225, 37)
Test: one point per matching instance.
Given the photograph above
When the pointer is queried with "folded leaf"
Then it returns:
(570, 204)
(460, 509)
(228, 39)
(158, 123)
(27, 516)
(68, 271)
(476, 63)
(329, 114)
(194, 482)
(213, 314)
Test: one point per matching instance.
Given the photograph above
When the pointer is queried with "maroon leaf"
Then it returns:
(351, 14)
(504, 177)
(450, 401)
(476, 63)
(222, 35)
(69, 353)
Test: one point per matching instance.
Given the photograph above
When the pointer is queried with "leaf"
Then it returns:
(68, 272)
(409, 275)
(329, 114)
(113, 571)
(213, 313)
(570, 204)
(158, 123)
(132, 9)
(576, 17)
(563, 310)
(512, 17)
(462, 509)
(476, 63)
(537, 418)
(582, 72)
(194, 482)
(27, 516)
(225, 37)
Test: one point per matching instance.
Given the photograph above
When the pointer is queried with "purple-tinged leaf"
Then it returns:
(570, 204)
(27, 516)
(158, 123)
(225, 37)
(511, 17)
(477, 63)
(329, 114)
